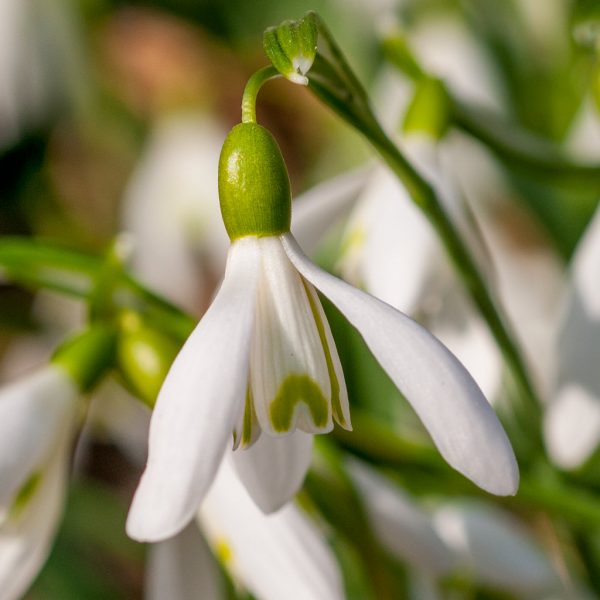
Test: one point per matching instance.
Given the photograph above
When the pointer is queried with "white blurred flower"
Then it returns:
(402, 527)
(272, 556)
(494, 548)
(572, 424)
(276, 556)
(38, 416)
(391, 250)
(171, 207)
(183, 568)
(39, 63)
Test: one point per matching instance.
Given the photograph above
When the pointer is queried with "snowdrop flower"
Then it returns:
(282, 555)
(572, 423)
(262, 361)
(39, 416)
(495, 548)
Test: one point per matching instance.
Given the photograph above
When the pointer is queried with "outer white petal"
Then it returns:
(273, 469)
(315, 211)
(198, 405)
(495, 547)
(183, 568)
(26, 538)
(276, 556)
(401, 526)
(572, 426)
(33, 413)
(285, 343)
(460, 421)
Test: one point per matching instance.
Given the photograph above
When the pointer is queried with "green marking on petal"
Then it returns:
(295, 389)
(248, 420)
(25, 494)
(336, 404)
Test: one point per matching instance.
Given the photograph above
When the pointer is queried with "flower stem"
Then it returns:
(251, 92)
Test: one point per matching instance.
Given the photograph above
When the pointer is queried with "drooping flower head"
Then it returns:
(263, 362)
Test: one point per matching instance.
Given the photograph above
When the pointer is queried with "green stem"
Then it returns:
(251, 92)
(522, 149)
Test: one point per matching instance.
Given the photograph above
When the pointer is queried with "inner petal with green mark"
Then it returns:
(296, 381)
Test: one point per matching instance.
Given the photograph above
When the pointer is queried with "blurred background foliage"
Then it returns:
(102, 72)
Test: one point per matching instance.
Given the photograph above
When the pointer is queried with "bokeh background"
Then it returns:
(89, 88)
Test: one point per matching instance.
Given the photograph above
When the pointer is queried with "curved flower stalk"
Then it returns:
(572, 421)
(495, 549)
(262, 360)
(276, 556)
(38, 417)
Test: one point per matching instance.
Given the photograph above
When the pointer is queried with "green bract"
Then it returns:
(254, 187)
(292, 47)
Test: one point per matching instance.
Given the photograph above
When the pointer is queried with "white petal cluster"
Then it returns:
(247, 347)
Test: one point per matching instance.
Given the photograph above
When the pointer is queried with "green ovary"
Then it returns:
(295, 389)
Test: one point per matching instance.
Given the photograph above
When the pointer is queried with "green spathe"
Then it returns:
(295, 389)
(254, 187)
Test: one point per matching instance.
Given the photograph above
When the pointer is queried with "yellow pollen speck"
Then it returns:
(223, 551)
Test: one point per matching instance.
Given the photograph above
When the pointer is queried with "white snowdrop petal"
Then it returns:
(273, 469)
(26, 537)
(183, 568)
(289, 379)
(198, 405)
(495, 547)
(33, 411)
(572, 426)
(460, 421)
(400, 524)
(276, 556)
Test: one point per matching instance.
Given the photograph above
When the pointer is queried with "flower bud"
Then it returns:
(429, 111)
(144, 357)
(254, 187)
(292, 47)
